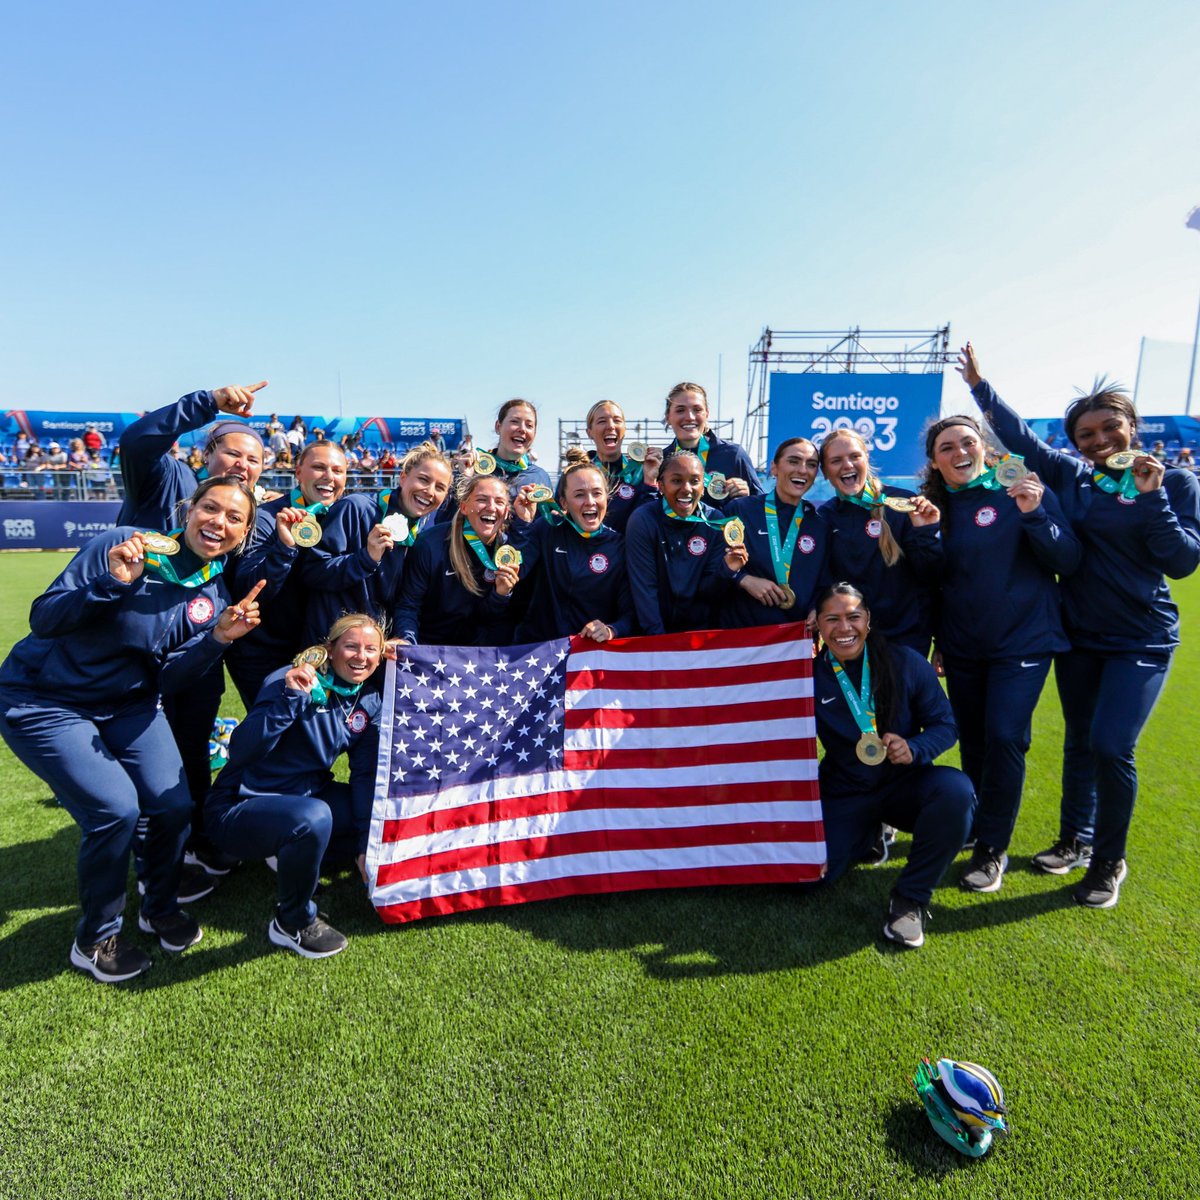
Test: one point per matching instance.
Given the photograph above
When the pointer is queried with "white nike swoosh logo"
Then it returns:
(450, 572)
(830, 700)
(1025, 664)
(1142, 664)
(559, 550)
(762, 531)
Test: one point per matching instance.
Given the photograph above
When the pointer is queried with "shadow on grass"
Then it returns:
(911, 1138)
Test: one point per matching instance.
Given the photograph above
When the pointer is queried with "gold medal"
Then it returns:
(159, 543)
(900, 504)
(791, 596)
(870, 750)
(507, 556)
(716, 486)
(307, 531)
(1122, 460)
(1010, 471)
(485, 463)
(637, 451)
(734, 531)
(315, 657)
(540, 494)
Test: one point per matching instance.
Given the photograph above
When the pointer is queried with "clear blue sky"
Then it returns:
(453, 204)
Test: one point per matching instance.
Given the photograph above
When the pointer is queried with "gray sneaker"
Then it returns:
(1065, 855)
(318, 940)
(1101, 885)
(985, 871)
(905, 924)
(113, 960)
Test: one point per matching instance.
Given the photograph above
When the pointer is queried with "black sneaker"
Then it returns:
(1065, 855)
(905, 924)
(985, 871)
(113, 960)
(877, 854)
(1101, 885)
(318, 940)
(194, 884)
(214, 861)
(175, 933)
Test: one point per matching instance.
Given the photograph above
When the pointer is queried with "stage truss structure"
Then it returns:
(573, 432)
(833, 352)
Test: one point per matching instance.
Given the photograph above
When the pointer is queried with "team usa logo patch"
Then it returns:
(199, 610)
(807, 544)
(1126, 500)
(489, 575)
(985, 516)
(874, 527)
(598, 564)
(697, 546)
(357, 721)
(625, 491)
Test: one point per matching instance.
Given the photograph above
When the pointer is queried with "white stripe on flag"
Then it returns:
(608, 738)
(677, 697)
(688, 660)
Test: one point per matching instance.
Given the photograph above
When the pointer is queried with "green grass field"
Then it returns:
(710, 1043)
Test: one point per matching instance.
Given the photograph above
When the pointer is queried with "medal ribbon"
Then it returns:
(508, 466)
(479, 549)
(861, 702)
(987, 479)
(867, 499)
(718, 523)
(1125, 486)
(701, 452)
(325, 684)
(627, 471)
(385, 500)
(781, 556)
(162, 566)
(296, 500)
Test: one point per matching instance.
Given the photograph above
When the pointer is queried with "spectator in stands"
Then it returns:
(318, 435)
(1186, 459)
(21, 446)
(93, 439)
(437, 440)
(195, 458)
(274, 425)
(283, 460)
(367, 461)
(1159, 451)
(277, 441)
(77, 459)
(388, 460)
(55, 458)
(98, 478)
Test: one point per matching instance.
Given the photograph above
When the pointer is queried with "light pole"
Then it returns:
(1193, 222)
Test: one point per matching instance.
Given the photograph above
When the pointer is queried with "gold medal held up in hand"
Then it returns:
(716, 486)
(791, 597)
(870, 750)
(306, 531)
(735, 532)
(160, 543)
(485, 463)
(315, 657)
(1010, 471)
(637, 451)
(904, 504)
(507, 556)
(1122, 460)
(540, 494)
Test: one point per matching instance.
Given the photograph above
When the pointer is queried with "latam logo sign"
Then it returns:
(54, 524)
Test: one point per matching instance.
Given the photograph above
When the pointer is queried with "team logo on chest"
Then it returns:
(625, 491)
(874, 527)
(1126, 500)
(357, 721)
(807, 544)
(489, 575)
(985, 516)
(697, 546)
(598, 564)
(199, 610)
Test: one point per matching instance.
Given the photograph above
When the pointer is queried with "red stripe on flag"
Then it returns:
(698, 639)
(516, 807)
(650, 759)
(735, 675)
(582, 717)
(596, 841)
(551, 889)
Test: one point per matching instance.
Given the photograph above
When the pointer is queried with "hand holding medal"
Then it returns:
(737, 556)
(127, 559)
(1026, 492)
(508, 568)
(295, 527)
(527, 499)
(380, 540)
(1148, 473)
(301, 678)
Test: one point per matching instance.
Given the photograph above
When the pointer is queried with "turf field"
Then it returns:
(714, 1043)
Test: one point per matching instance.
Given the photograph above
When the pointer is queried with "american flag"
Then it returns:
(522, 773)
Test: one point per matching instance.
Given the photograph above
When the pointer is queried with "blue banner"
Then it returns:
(54, 524)
(890, 411)
(1177, 430)
(400, 432)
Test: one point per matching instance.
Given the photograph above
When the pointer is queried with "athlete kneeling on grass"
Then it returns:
(277, 797)
(882, 718)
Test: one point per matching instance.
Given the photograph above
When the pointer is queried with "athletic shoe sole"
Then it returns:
(146, 927)
(81, 962)
(280, 937)
(194, 861)
(905, 942)
(1037, 866)
(1111, 901)
(994, 886)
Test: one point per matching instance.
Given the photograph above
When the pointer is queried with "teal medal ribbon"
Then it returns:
(508, 466)
(695, 518)
(479, 549)
(860, 702)
(296, 500)
(986, 479)
(557, 516)
(325, 684)
(627, 471)
(1125, 486)
(866, 500)
(163, 566)
(385, 500)
(701, 452)
(781, 555)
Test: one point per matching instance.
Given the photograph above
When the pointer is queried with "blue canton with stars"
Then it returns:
(467, 714)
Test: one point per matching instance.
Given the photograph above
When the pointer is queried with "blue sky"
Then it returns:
(454, 204)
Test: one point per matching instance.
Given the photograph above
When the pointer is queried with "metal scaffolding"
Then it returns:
(902, 351)
(573, 432)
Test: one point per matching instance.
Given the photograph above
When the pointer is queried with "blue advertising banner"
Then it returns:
(1181, 430)
(54, 524)
(889, 410)
(400, 432)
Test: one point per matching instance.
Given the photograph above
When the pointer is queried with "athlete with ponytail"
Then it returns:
(631, 482)
(687, 417)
